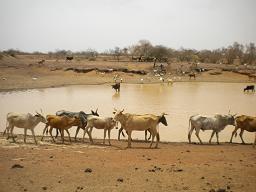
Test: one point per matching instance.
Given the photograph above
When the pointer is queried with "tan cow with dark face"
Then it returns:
(247, 123)
(131, 122)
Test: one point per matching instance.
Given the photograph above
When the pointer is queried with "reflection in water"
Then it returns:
(116, 95)
(180, 101)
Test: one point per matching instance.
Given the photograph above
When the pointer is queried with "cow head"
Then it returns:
(113, 123)
(231, 119)
(40, 117)
(118, 114)
(163, 119)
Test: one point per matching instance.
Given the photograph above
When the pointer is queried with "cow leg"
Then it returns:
(241, 135)
(90, 134)
(211, 136)
(68, 135)
(11, 131)
(57, 132)
(105, 130)
(149, 135)
(8, 132)
(197, 134)
(145, 135)
(33, 133)
(153, 137)
(77, 130)
(109, 136)
(157, 139)
(119, 133)
(129, 138)
(45, 128)
(50, 131)
(217, 135)
(62, 135)
(25, 134)
(235, 130)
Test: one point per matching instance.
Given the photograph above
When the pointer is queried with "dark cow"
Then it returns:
(249, 87)
(192, 75)
(116, 87)
(41, 62)
(69, 58)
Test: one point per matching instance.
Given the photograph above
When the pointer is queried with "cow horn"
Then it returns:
(122, 111)
(96, 110)
(164, 114)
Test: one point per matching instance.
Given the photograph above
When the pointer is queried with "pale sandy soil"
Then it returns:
(172, 167)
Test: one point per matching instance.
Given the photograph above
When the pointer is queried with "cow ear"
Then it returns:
(114, 112)
(122, 111)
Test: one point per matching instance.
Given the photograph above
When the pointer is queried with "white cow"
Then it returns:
(25, 121)
(216, 123)
(107, 123)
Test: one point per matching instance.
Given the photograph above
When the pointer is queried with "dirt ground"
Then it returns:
(84, 167)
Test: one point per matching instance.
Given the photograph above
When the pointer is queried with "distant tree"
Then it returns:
(159, 51)
(117, 53)
(142, 48)
(250, 54)
(234, 51)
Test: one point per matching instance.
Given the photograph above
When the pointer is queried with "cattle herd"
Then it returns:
(64, 120)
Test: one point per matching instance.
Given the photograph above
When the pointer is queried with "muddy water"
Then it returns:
(180, 101)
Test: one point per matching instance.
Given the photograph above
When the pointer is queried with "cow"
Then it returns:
(25, 121)
(216, 123)
(131, 122)
(69, 58)
(41, 62)
(116, 87)
(161, 120)
(81, 115)
(249, 87)
(62, 123)
(107, 124)
(247, 123)
(192, 75)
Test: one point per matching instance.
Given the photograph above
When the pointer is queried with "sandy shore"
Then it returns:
(84, 167)
(25, 73)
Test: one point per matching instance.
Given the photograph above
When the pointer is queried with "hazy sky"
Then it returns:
(47, 25)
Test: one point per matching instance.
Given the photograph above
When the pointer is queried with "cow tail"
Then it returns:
(189, 124)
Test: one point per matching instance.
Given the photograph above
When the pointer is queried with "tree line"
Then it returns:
(245, 54)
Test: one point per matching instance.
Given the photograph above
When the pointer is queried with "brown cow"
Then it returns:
(62, 123)
(247, 123)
